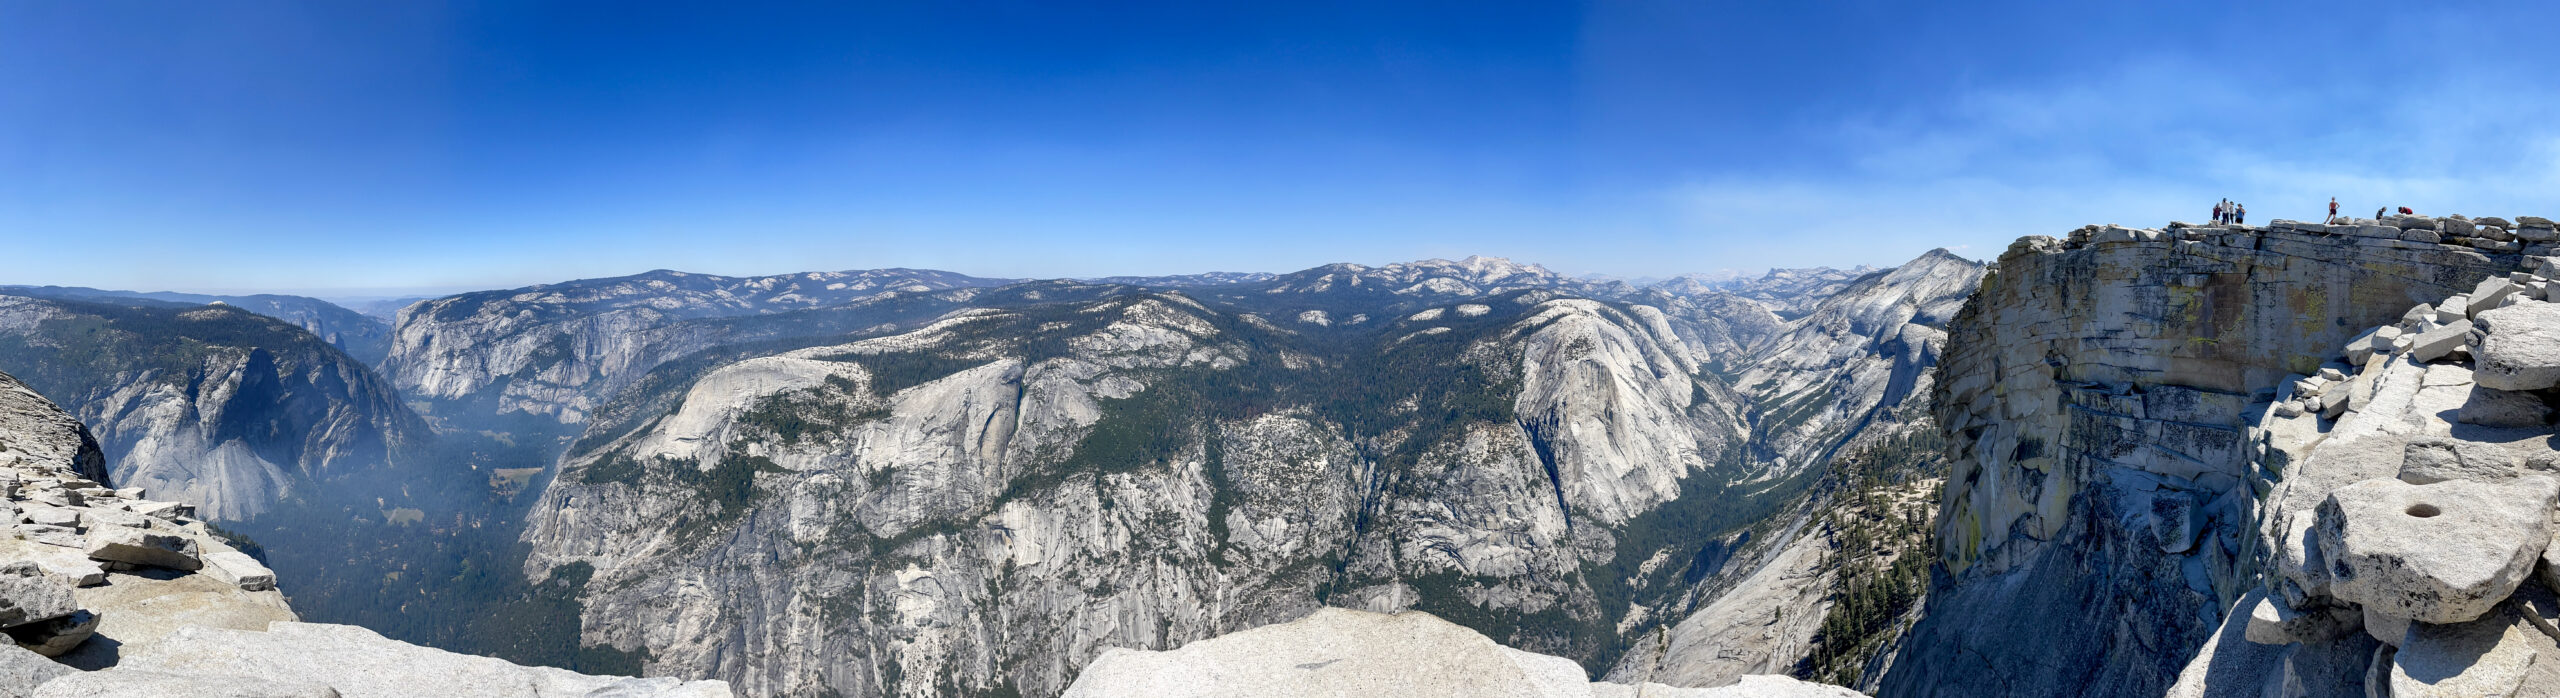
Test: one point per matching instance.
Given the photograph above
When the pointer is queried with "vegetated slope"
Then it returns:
(213, 405)
(1830, 594)
(559, 350)
(362, 336)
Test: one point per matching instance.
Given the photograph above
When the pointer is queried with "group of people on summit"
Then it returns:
(2227, 213)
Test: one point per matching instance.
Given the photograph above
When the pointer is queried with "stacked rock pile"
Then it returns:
(2410, 493)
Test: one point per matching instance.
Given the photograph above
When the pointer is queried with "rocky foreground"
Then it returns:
(107, 593)
(1341, 652)
(2415, 511)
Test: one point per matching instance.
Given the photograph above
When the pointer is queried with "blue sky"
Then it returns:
(355, 148)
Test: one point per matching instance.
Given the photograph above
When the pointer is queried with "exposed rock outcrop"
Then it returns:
(2408, 511)
(2098, 399)
(984, 503)
(560, 350)
(1340, 652)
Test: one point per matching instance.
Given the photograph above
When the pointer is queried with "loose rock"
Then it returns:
(28, 595)
(2520, 347)
(2441, 553)
(140, 547)
(2490, 407)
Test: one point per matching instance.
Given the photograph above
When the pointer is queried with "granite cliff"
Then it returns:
(213, 405)
(2108, 400)
(981, 504)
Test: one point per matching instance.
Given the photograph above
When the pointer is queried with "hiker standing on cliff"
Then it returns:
(2333, 209)
(2221, 211)
(2239, 214)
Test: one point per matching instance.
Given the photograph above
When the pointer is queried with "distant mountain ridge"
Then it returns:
(365, 337)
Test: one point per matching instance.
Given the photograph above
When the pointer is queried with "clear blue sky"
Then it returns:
(348, 147)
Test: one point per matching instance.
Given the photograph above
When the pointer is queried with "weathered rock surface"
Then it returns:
(1339, 652)
(359, 663)
(2092, 376)
(2365, 456)
(2488, 656)
(135, 683)
(28, 595)
(2520, 347)
(21, 671)
(2439, 553)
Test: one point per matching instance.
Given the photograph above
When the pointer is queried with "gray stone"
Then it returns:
(2490, 293)
(2175, 520)
(2364, 346)
(63, 536)
(237, 568)
(2441, 342)
(2485, 657)
(162, 510)
(2455, 307)
(2493, 220)
(67, 565)
(2273, 622)
(2520, 347)
(2439, 553)
(2490, 407)
(2537, 234)
(2429, 236)
(2495, 245)
(137, 683)
(58, 636)
(2411, 222)
(28, 595)
(137, 546)
(363, 664)
(2417, 319)
(2390, 629)
(22, 671)
(2535, 222)
(52, 516)
(2332, 374)
(2430, 460)
(2457, 227)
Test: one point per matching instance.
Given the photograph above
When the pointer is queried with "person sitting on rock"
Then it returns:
(2404, 210)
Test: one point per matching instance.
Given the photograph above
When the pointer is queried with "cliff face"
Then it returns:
(989, 502)
(211, 405)
(2097, 396)
(559, 350)
(981, 505)
(1858, 360)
